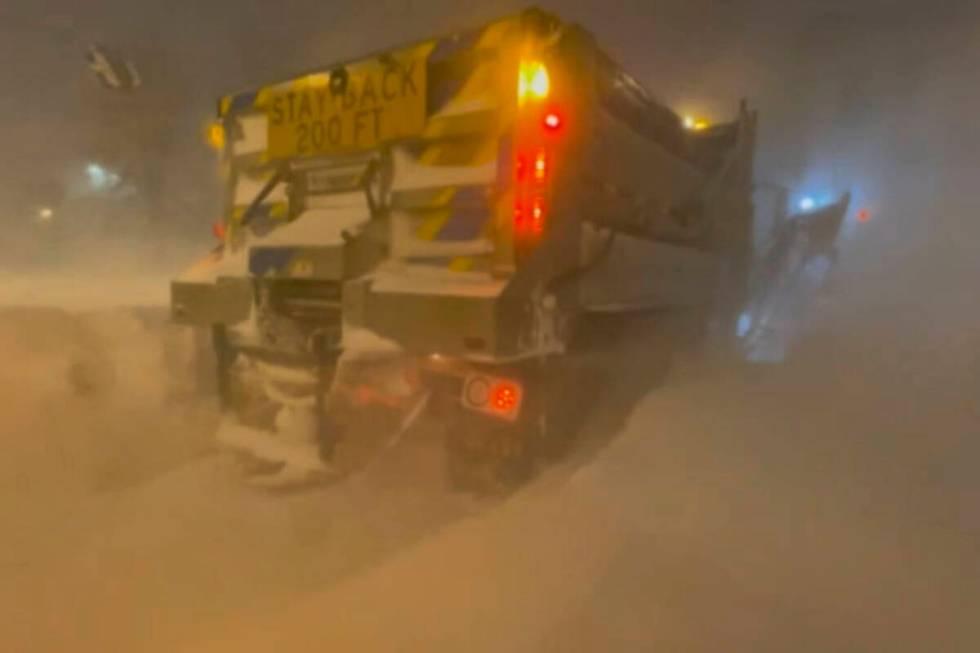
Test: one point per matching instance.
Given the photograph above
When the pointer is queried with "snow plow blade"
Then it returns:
(789, 276)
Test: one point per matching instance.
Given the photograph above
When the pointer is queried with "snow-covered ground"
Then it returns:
(826, 505)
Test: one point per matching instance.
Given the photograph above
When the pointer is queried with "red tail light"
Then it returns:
(505, 397)
(540, 166)
(537, 215)
(529, 216)
(494, 396)
(520, 214)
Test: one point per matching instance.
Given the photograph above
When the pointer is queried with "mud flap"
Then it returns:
(486, 456)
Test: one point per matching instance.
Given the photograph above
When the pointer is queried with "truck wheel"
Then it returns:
(563, 394)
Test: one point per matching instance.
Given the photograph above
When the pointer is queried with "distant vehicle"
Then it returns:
(112, 69)
(431, 225)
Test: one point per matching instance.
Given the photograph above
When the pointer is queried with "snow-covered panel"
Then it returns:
(410, 174)
(224, 263)
(407, 244)
(248, 187)
(429, 280)
(323, 225)
(254, 135)
(360, 341)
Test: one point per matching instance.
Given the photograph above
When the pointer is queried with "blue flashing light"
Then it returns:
(744, 324)
(101, 178)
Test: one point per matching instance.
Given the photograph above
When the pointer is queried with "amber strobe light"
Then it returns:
(533, 81)
(539, 121)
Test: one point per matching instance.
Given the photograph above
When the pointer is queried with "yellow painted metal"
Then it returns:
(383, 99)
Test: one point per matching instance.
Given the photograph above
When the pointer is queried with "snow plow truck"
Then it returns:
(425, 228)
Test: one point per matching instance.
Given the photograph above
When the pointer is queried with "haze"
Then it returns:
(826, 503)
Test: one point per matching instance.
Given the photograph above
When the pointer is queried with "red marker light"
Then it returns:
(520, 167)
(864, 215)
(552, 121)
(537, 215)
(529, 219)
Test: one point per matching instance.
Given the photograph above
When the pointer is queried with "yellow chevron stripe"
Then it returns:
(422, 199)
(277, 211)
(261, 100)
(462, 125)
(496, 34)
(433, 224)
(460, 152)
(462, 264)
(482, 83)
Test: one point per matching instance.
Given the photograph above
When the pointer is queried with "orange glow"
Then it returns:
(215, 136)
(864, 215)
(505, 397)
(520, 167)
(695, 124)
(218, 229)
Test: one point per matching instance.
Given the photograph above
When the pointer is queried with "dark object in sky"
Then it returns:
(113, 70)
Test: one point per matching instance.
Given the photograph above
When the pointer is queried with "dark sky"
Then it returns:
(824, 73)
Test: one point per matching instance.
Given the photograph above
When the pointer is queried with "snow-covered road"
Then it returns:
(829, 504)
